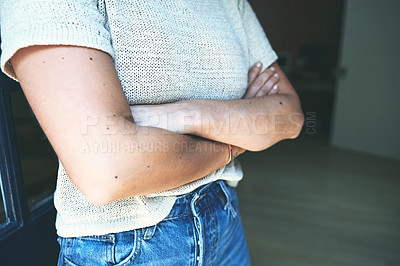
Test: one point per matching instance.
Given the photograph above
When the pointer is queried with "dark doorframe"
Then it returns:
(27, 237)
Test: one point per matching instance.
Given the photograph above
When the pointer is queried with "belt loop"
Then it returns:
(225, 190)
(193, 203)
(149, 232)
(228, 204)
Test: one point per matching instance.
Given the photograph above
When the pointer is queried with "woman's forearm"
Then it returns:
(253, 124)
(141, 160)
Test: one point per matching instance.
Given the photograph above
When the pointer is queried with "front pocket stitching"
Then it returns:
(99, 238)
(136, 249)
(66, 261)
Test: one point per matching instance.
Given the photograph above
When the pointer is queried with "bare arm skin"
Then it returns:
(76, 95)
(256, 122)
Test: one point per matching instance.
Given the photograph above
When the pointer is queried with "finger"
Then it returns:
(269, 86)
(275, 90)
(258, 83)
(254, 71)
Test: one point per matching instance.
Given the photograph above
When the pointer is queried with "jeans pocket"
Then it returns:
(66, 262)
(111, 249)
(88, 250)
(127, 247)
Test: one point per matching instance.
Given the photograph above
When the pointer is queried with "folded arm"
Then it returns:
(253, 123)
(77, 98)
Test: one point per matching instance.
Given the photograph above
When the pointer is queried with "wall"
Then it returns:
(367, 105)
(291, 24)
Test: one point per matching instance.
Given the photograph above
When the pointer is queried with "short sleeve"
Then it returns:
(50, 22)
(259, 48)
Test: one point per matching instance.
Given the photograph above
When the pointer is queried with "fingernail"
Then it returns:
(272, 68)
(258, 64)
(275, 87)
(276, 75)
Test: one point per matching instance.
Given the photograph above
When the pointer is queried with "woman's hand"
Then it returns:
(260, 84)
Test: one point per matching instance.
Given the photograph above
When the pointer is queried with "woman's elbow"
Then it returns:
(104, 189)
(296, 121)
(290, 130)
(99, 199)
(99, 194)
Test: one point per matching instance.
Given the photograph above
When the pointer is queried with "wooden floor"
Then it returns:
(305, 203)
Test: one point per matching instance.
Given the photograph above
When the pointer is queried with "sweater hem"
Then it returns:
(112, 226)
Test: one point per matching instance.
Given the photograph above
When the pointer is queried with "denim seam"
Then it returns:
(188, 213)
(176, 216)
(110, 254)
(214, 238)
(68, 244)
(195, 244)
(109, 238)
(67, 262)
(135, 251)
(198, 228)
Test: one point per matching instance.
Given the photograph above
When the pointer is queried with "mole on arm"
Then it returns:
(116, 177)
(91, 58)
(280, 103)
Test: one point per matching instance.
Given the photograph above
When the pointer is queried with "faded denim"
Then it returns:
(203, 228)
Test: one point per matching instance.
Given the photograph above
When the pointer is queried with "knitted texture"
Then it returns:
(164, 51)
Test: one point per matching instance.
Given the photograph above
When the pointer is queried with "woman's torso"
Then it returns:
(168, 51)
(164, 51)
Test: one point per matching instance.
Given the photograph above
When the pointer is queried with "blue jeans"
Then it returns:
(203, 228)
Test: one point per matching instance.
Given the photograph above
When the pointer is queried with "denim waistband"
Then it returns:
(200, 198)
(209, 233)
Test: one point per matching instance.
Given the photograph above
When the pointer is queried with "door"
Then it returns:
(367, 109)
(28, 169)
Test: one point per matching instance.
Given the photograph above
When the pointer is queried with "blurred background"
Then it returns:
(329, 197)
(332, 196)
